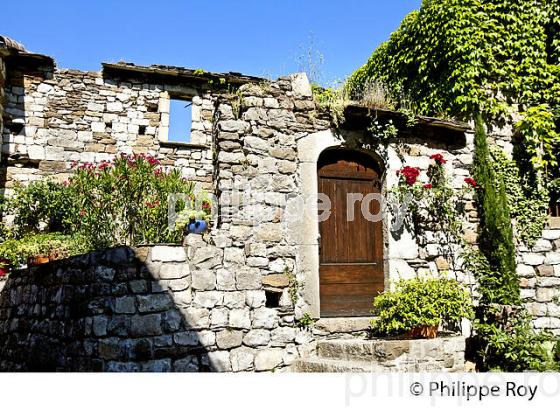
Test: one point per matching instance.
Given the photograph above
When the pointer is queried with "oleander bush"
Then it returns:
(121, 202)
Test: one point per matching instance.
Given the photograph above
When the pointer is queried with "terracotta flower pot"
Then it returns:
(37, 260)
(423, 332)
(5, 266)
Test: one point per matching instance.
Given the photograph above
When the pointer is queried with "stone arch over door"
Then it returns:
(310, 149)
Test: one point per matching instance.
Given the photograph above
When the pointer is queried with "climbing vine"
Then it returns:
(528, 203)
(499, 57)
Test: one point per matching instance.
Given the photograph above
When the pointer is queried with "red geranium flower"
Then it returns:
(428, 186)
(471, 182)
(410, 174)
(438, 158)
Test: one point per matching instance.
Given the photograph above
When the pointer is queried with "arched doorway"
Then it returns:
(350, 251)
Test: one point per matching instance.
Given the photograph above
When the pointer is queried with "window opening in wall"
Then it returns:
(272, 299)
(142, 130)
(180, 120)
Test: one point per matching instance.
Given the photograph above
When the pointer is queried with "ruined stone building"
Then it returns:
(231, 299)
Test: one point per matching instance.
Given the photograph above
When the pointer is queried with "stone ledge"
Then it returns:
(343, 324)
(185, 145)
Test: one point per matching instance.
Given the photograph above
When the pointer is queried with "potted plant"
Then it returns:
(416, 308)
(195, 218)
(10, 256)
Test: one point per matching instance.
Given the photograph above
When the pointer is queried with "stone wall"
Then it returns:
(539, 270)
(57, 117)
(161, 308)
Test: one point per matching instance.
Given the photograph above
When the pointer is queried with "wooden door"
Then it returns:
(351, 252)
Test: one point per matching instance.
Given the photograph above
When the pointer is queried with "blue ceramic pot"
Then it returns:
(197, 226)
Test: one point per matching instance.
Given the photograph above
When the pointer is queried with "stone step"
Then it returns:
(378, 350)
(443, 354)
(321, 365)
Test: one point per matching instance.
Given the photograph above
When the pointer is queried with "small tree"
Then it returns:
(496, 232)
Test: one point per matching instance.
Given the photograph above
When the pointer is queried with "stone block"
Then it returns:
(546, 294)
(282, 336)
(248, 278)
(219, 361)
(154, 303)
(100, 325)
(125, 304)
(545, 270)
(265, 318)
(208, 299)
(268, 359)
(145, 325)
(269, 232)
(257, 337)
(225, 279)
(157, 366)
(241, 359)
(533, 259)
(203, 279)
(219, 317)
(542, 245)
(174, 271)
(196, 318)
(525, 270)
(169, 254)
(227, 339)
(239, 319)
(234, 300)
(553, 258)
(188, 338)
(255, 298)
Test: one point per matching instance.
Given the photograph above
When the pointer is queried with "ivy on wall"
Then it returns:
(453, 58)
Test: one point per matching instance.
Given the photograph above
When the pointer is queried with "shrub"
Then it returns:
(43, 205)
(496, 232)
(515, 347)
(420, 302)
(125, 202)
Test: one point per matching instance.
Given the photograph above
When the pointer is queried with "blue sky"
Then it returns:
(257, 37)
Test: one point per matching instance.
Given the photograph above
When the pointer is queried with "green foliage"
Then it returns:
(120, 203)
(528, 202)
(458, 57)
(125, 202)
(332, 100)
(420, 302)
(496, 232)
(43, 205)
(16, 251)
(539, 137)
(306, 321)
(515, 347)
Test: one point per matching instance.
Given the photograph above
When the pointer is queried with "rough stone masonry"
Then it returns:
(229, 300)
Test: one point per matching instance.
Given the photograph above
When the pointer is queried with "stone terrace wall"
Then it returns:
(56, 117)
(160, 308)
(539, 269)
